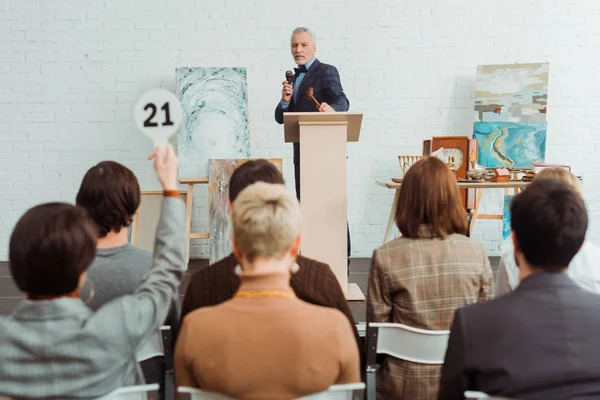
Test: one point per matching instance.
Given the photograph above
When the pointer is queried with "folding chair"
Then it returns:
(352, 391)
(161, 345)
(471, 395)
(403, 342)
(141, 392)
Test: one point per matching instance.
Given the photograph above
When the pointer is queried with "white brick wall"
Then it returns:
(70, 72)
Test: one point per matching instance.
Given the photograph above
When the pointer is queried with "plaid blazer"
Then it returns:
(60, 349)
(421, 283)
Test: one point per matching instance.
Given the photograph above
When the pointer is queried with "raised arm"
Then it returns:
(130, 320)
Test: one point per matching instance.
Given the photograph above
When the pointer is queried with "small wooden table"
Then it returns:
(479, 189)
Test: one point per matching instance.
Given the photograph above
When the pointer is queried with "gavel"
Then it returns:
(309, 95)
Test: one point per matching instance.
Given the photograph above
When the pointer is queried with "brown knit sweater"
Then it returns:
(266, 348)
(314, 283)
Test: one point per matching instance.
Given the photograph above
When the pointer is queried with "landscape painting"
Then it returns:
(510, 114)
(215, 117)
(219, 176)
(510, 144)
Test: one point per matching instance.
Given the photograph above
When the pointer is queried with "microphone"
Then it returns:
(288, 76)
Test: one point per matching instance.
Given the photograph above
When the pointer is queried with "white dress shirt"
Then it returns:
(584, 269)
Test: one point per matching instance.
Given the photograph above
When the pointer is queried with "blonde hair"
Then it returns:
(266, 220)
(562, 175)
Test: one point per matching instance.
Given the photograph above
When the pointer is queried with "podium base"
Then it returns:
(354, 293)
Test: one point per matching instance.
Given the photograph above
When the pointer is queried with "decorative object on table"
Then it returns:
(529, 176)
(215, 117)
(457, 152)
(407, 161)
(510, 114)
(219, 221)
(501, 175)
(310, 95)
(477, 174)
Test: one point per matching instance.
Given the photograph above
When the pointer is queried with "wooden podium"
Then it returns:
(322, 138)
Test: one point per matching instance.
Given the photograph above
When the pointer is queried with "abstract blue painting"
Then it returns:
(215, 117)
(510, 114)
(510, 144)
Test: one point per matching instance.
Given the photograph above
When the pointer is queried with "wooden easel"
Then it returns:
(189, 201)
(152, 220)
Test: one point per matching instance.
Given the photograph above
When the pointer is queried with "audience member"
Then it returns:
(111, 195)
(422, 277)
(53, 345)
(540, 341)
(266, 343)
(583, 269)
(314, 283)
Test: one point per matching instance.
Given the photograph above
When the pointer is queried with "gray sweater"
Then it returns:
(119, 271)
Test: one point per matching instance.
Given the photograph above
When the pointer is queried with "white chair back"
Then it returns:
(351, 391)
(471, 395)
(188, 393)
(403, 342)
(141, 392)
(410, 344)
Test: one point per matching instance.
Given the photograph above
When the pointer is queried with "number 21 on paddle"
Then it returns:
(158, 115)
(148, 122)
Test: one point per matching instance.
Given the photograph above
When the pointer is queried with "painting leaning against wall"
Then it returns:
(215, 111)
(510, 114)
(219, 176)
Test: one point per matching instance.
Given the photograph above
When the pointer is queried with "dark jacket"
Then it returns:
(325, 80)
(539, 342)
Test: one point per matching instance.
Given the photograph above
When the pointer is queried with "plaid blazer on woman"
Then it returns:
(421, 283)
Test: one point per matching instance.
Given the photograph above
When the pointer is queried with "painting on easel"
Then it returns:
(510, 114)
(219, 221)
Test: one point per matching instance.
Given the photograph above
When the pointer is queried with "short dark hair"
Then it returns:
(549, 220)
(111, 194)
(430, 197)
(50, 247)
(252, 171)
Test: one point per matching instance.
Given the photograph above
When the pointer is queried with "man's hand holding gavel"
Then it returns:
(322, 107)
(326, 108)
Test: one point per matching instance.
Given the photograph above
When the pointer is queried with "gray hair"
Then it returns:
(266, 220)
(301, 29)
